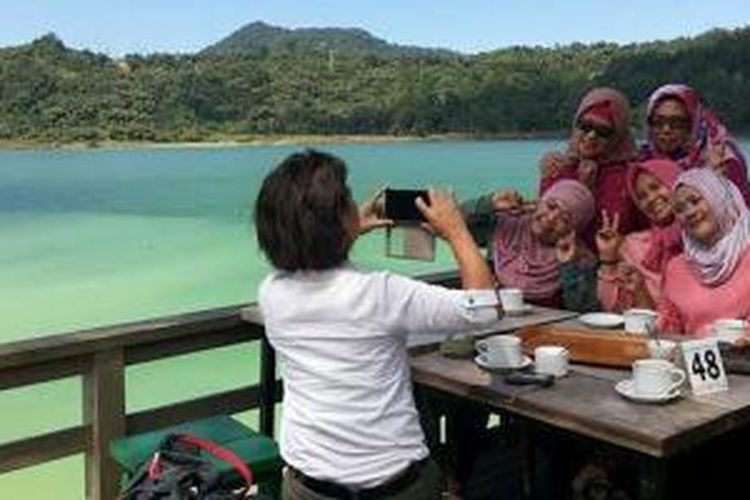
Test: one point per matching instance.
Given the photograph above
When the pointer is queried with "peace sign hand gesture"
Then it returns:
(608, 238)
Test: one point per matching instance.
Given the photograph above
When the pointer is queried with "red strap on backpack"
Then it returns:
(222, 453)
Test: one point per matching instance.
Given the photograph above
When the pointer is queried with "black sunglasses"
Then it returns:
(673, 122)
(600, 130)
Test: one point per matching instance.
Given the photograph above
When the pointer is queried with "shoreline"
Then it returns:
(274, 140)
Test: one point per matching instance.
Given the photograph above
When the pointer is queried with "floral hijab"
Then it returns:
(714, 265)
(706, 129)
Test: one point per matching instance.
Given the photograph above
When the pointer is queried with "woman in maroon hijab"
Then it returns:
(598, 153)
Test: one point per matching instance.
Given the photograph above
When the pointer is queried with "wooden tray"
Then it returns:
(599, 347)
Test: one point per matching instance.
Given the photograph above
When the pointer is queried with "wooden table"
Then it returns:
(586, 404)
(537, 316)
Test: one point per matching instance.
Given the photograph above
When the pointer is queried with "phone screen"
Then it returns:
(399, 204)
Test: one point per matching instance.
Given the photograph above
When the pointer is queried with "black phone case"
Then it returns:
(399, 204)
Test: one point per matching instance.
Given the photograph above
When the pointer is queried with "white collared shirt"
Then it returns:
(340, 337)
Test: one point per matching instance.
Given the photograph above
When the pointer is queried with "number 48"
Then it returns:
(705, 365)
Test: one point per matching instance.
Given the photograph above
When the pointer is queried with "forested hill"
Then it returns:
(259, 38)
(49, 92)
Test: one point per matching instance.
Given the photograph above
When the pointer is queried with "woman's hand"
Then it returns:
(715, 155)
(629, 277)
(566, 248)
(587, 172)
(510, 202)
(553, 163)
(609, 239)
(632, 281)
(372, 213)
(443, 216)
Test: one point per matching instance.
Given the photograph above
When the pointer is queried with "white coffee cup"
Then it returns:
(511, 298)
(551, 359)
(662, 349)
(656, 377)
(729, 330)
(502, 351)
(639, 321)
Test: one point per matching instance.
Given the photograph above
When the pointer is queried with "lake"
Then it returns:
(98, 237)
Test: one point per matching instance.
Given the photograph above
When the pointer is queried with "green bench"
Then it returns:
(259, 452)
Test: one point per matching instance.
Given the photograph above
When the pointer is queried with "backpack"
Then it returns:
(177, 471)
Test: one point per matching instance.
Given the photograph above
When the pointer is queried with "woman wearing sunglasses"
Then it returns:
(598, 153)
(680, 127)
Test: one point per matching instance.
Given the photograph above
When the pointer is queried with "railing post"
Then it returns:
(267, 387)
(104, 413)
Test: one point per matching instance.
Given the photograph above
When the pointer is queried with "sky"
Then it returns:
(182, 26)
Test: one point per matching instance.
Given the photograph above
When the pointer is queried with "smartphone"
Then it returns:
(400, 206)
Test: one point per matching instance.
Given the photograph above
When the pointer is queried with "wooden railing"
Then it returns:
(100, 357)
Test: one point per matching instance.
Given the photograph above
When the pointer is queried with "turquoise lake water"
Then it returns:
(100, 237)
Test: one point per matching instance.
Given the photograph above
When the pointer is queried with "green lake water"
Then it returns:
(101, 237)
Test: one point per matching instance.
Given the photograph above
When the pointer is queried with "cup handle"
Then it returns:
(678, 381)
(483, 359)
(481, 346)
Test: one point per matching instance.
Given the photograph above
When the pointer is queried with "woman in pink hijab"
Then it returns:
(538, 253)
(681, 127)
(599, 151)
(631, 268)
(710, 280)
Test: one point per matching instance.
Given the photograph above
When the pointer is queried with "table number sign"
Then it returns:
(704, 366)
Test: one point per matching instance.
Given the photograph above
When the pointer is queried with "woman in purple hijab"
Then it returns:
(539, 251)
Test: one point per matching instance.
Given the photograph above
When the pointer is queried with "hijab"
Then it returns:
(705, 128)
(521, 260)
(665, 241)
(610, 104)
(715, 264)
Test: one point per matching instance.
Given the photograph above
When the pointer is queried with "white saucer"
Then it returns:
(626, 388)
(601, 320)
(526, 361)
(524, 309)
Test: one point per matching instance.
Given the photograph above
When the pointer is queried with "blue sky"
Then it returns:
(146, 26)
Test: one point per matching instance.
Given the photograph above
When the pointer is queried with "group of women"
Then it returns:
(669, 222)
(615, 227)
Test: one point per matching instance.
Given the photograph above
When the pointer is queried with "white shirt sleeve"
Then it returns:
(416, 307)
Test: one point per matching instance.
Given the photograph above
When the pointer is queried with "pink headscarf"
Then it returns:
(607, 102)
(714, 265)
(521, 260)
(576, 199)
(706, 129)
(666, 241)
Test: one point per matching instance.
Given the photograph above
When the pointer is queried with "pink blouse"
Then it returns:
(633, 250)
(689, 307)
